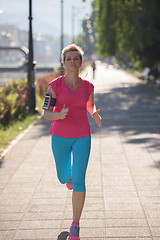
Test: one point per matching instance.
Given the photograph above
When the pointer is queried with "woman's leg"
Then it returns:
(78, 199)
(62, 148)
(81, 152)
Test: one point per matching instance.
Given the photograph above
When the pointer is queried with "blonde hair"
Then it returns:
(72, 47)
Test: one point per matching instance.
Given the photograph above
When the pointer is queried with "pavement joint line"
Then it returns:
(130, 170)
(28, 205)
(100, 159)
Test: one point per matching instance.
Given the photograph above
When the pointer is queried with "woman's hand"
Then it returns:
(63, 112)
(97, 118)
(50, 115)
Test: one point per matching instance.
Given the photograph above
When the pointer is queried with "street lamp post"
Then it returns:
(84, 2)
(75, 10)
(31, 67)
(73, 22)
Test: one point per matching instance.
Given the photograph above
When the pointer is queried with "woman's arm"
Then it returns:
(92, 110)
(49, 114)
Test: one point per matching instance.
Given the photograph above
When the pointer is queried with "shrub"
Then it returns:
(13, 101)
(13, 98)
(42, 83)
(5, 111)
(20, 105)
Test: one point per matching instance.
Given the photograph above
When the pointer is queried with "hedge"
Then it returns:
(13, 98)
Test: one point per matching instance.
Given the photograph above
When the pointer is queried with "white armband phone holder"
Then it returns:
(48, 101)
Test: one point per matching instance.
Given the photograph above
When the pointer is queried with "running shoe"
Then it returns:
(69, 184)
(74, 232)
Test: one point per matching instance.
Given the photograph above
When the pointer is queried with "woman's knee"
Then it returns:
(62, 179)
(79, 187)
(64, 173)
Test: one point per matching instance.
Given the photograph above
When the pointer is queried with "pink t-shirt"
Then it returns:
(76, 123)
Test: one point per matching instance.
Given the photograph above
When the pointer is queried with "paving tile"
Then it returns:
(6, 235)
(124, 222)
(40, 224)
(151, 206)
(93, 207)
(45, 208)
(124, 214)
(121, 194)
(10, 216)
(48, 201)
(154, 222)
(92, 232)
(13, 209)
(95, 195)
(8, 225)
(155, 231)
(13, 197)
(49, 195)
(43, 216)
(129, 238)
(122, 206)
(14, 201)
(121, 200)
(37, 233)
(127, 232)
(152, 214)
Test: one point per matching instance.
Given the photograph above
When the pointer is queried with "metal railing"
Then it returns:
(23, 66)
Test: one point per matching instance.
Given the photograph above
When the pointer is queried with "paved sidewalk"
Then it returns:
(123, 177)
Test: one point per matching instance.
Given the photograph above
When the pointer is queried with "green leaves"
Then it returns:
(129, 27)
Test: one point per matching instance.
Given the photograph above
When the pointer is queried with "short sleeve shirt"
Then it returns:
(76, 123)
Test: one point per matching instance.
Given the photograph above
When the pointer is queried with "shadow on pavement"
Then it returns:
(44, 126)
(134, 111)
(63, 236)
(1, 162)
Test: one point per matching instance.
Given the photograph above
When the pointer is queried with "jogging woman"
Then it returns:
(66, 103)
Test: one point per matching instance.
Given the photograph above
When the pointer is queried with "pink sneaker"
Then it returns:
(69, 184)
(74, 232)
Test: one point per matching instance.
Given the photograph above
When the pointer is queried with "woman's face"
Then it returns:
(72, 61)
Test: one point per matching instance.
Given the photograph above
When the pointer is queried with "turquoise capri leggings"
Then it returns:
(63, 150)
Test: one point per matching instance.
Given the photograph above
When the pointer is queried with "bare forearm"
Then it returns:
(91, 108)
(48, 115)
(94, 113)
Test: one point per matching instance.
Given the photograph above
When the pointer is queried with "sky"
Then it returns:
(46, 15)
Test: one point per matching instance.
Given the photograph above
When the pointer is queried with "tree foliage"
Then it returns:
(130, 27)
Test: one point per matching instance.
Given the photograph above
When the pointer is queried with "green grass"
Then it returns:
(9, 133)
